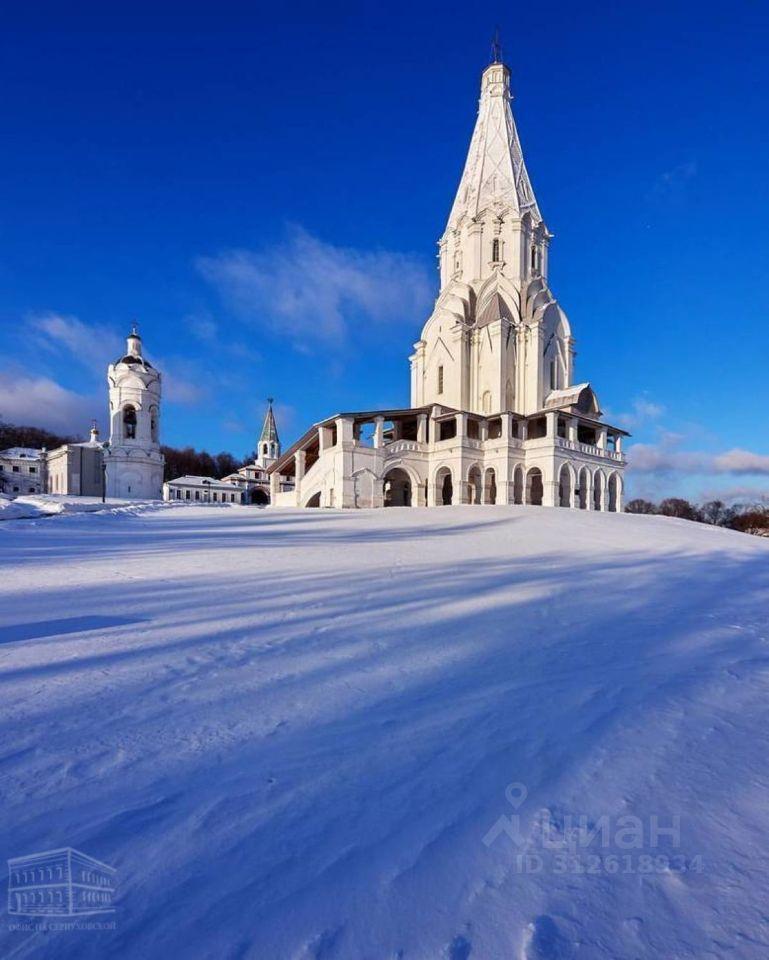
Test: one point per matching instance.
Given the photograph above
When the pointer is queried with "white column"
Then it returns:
(378, 432)
(549, 487)
(552, 424)
(422, 428)
(299, 461)
(344, 431)
(573, 424)
(602, 434)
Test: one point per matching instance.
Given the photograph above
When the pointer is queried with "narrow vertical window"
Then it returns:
(495, 250)
(533, 258)
(129, 423)
(440, 379)
(553, 375)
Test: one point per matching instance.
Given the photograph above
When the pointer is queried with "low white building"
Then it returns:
(495, 415)
(202, 490)
(76, 469)
(22, 471)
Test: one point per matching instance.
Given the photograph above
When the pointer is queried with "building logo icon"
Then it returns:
(59, 883)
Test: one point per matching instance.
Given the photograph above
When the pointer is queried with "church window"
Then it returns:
(486, 402)
(440, 379)
(154, 424)
(533, 258)
(495, 250)
(553, 375)
(129, 422)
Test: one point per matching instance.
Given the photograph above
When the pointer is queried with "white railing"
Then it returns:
(589, 448)
(403, 446)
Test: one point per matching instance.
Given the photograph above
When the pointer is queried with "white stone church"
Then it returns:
(130, 464)
(495, 414)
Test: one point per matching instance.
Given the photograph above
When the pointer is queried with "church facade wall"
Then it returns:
(502, 468)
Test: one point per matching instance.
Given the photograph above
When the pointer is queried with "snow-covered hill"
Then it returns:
(393, 734)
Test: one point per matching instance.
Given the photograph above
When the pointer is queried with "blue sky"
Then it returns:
(262, 189)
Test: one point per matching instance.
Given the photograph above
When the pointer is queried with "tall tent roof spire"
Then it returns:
(495, 176)
(269, 428)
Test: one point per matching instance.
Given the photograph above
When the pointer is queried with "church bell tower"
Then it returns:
(132, 457)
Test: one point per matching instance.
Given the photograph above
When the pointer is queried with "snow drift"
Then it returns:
(470, 733)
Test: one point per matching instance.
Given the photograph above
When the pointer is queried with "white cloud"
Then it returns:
(741, 462)
(643, 411)
(92, 345)
(183, 382)
(202, 327)
(317, 293)
(666, 457)
(41, 402)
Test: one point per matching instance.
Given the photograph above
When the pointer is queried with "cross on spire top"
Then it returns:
(496, 48)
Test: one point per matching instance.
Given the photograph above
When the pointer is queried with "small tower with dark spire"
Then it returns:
(268, 449)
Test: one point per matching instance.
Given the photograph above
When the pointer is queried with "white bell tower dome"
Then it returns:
(132, 457)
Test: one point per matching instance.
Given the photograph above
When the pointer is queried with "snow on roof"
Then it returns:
(190, 481)
(22, 453)
(567, 392)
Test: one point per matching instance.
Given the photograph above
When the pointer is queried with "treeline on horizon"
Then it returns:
(179, 462)
(745, 517)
